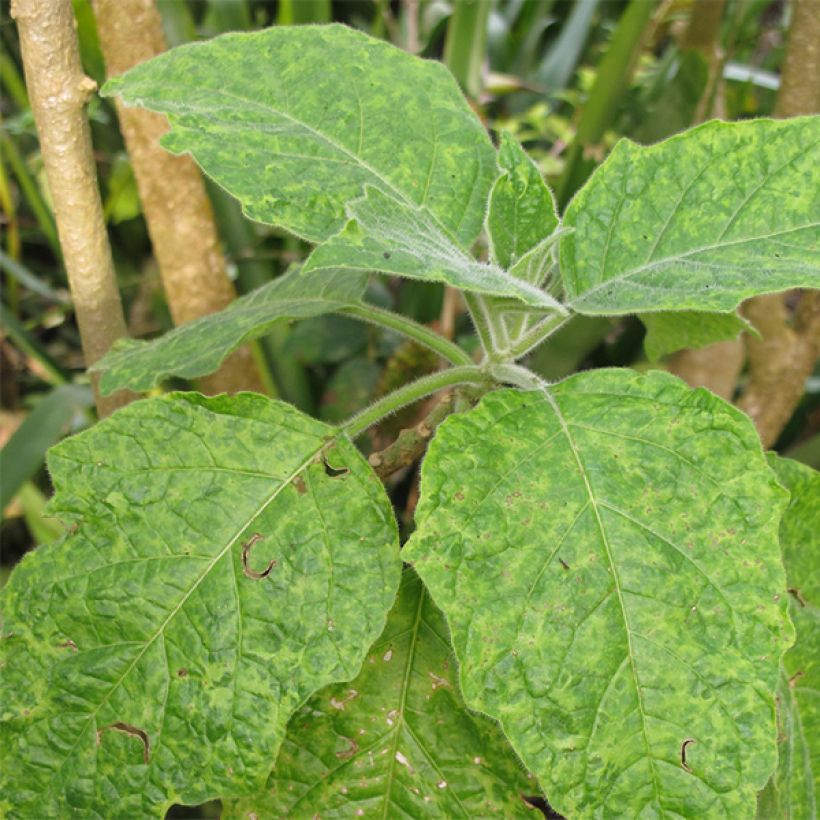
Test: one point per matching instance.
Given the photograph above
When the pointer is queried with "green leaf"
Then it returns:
(522, 210)
(397, 741)
(606, 556)
(698, 222)
(794, 787)
(199, 347)
(294, 122)
(227, 558)
(389, 236)
(669, 332)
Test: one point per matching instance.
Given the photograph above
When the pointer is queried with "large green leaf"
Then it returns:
(794, 788)
(392, 237)
(228, 557)
(199, 347)
(606, 555)
(698, 222)
(397, 741)
(521, 212)
(295, 121)
(669, 332)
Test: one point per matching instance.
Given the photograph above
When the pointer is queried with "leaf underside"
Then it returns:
(611, 577)
(795, 786)
(397, 741)
(390, 237)
(199, 347)
(698, 222)
(295, 121)
(228, 557)
(669, 332)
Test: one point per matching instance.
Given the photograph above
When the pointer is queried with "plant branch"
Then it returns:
(176, 207)
(537, 335)
(59, 90)
(784, 358)
(411, 393)
(423, 335)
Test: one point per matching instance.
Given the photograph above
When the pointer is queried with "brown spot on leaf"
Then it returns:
(796, 677)
(132, 731)
(683, 747)
(351, 750)
(299, 483)
(246, 552)
(795, 593)
(69, 644)
(182, 673)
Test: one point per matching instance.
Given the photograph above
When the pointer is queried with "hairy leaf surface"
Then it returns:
(794, 788)
(522, 210)
(669, 332)
(228, 557)
(295, 121)
(388, 236)
(700, 221)
(397, 741)
(199, 347)
(606, 555)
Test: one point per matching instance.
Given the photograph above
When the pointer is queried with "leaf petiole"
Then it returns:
(411, 393)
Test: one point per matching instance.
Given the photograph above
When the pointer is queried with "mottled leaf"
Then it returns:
(227, 557)
(522, 210)
(606, 556)
(396, 741)
(392, 237)
(295, 121)
(199, 347)
(698, 222)
(668, 332)
(793, 789)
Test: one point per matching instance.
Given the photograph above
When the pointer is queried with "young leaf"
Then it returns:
(522, 210)
(700, 221)
(294, 122)
(396, 741)
(228, 557)
(199, 347)
(606, 556)
(389, 236)
(795, 785)
(669, 332)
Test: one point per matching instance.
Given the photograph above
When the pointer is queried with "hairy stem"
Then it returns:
(59, 90)
(423, 335)
(411, 393)
(174, 202)
(537, 335)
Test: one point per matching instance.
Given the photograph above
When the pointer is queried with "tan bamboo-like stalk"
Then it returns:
(784, 358)
(716, 366)
(176, 207)
(58, 90)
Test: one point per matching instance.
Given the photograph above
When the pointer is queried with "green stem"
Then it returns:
(414, 330)
(611, 82)
(466, 44)
(537, 335)
(481, 321)
(411, 393)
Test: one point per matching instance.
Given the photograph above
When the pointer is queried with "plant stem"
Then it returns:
(784, 358)
(414, 330)
(537, 335)
(466, 43)
(176, 208)
(58, 90)
(411, 393)
(611, 82)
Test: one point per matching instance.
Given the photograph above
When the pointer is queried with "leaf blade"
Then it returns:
(388, 236)
(314, 111)
(397, 739)
(186, 695)
(199, 347)
(593, 674)
(698, 222)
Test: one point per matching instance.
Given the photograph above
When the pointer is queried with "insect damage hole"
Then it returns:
(331, 471)
(683, 747)
(246, 552)
(131, 731)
